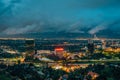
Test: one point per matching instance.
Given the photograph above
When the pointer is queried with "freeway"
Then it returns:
(3, 60)
(94, 61)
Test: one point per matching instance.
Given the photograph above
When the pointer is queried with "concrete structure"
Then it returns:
(30, 48)
(90, 47)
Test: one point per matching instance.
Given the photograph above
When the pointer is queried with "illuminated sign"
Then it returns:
(59, 49)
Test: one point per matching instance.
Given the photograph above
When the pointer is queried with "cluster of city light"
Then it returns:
(69, 68)
(112, 50)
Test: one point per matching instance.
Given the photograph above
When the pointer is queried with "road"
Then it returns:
(13, 61)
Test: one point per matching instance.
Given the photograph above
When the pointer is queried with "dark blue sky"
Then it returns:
(23, 16)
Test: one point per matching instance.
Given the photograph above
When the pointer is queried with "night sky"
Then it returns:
(79, 16)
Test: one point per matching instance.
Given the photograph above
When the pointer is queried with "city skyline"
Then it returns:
(59, 39)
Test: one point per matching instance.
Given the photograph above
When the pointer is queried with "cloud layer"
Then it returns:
(24, 16)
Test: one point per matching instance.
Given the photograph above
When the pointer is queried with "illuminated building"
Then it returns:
(43, 51)
(115, 50)
(93, 75)
(59, 51)
(103, 44)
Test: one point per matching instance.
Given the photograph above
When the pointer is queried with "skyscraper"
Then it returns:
(30, 47)
(90, 47)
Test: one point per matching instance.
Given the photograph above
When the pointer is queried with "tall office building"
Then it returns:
(90, 47)
(30, 47)
(103, 44)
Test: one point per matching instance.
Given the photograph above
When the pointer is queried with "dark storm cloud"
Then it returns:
(21, 16)
(110, 25)
(95, 3)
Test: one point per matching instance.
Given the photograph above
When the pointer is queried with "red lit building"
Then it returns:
(59, 51)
